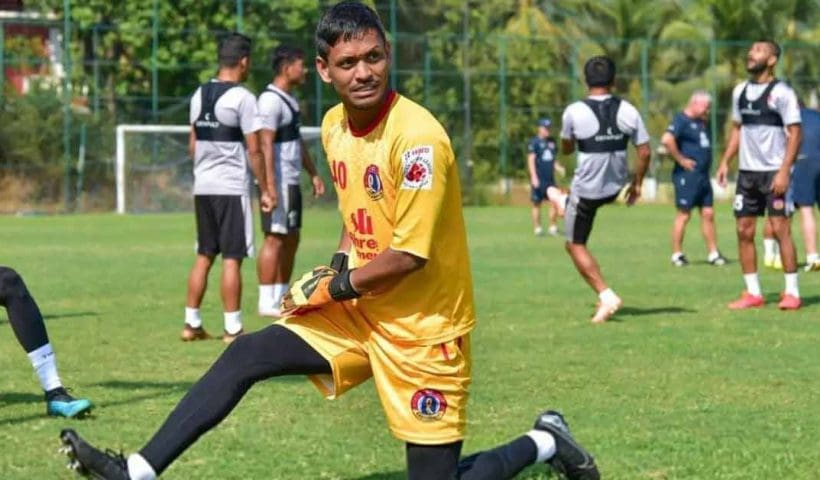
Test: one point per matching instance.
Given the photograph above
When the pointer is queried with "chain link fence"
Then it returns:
(59, 111)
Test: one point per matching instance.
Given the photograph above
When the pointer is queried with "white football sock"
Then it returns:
(676, 255)
(192, 317)
(233, 322)
(752, 284)
(279, 291)
(713, 255)
(266, 297)
(544, 443)
(139, 468)
(608, 296)
(791, 285)
(812, 258)
(769, 246)
(45, 365)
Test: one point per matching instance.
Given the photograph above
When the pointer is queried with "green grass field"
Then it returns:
(677, 388)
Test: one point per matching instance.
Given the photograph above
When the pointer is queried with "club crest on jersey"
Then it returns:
(373, 183)
(417, 168)
(428, 404)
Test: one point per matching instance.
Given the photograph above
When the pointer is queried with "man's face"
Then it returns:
(543, 132)
(760, 57)
(296, 72)
(358, 70)
(700, 107)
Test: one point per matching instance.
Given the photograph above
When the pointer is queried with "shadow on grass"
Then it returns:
(401, 475)
(14, 398)
(56, 316)
(635, 311)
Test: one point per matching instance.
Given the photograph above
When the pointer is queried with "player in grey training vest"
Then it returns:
(601, 126)
(223, 122)
(285, 154)
(766, 131)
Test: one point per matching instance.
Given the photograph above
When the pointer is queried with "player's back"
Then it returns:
(221, 113)
(399, 188)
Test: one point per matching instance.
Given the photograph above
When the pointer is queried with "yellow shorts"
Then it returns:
(423, 389)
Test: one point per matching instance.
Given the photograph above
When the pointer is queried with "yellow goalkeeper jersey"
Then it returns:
(398, 187)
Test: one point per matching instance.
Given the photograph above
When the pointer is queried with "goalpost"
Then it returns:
(160, 159)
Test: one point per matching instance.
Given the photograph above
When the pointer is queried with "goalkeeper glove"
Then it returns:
(316, 288)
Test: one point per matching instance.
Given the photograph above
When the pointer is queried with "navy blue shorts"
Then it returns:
(692, 190)
(806, 182)
(538, 195)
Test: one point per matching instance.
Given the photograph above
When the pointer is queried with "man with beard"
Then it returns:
(766, 132)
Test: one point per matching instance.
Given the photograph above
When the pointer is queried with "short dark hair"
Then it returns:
(284, 55)
(233, 47)
(346, 20)
(772, 44)
(599, 71)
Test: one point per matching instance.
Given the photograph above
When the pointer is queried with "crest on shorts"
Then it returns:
(373, 183)
(778, 204)
(428, 404)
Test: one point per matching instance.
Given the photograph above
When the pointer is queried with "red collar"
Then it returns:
(388, 102)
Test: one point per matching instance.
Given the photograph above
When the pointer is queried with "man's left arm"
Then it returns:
(640, 138)
(310, 168)
(780, 183)
(789, 110)
(421, 176)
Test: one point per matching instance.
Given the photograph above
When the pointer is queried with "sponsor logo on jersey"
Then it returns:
(417, 168)
(207, 123)
(609, 136)
(362, 222)
(428, 405)
(373, 183)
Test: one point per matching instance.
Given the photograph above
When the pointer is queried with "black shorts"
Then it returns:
(287, 216)
(579, 215)
(223, 225)
(754, 197)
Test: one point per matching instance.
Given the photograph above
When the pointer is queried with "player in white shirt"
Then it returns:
(285, 154)
(223, 123)
(766, 131)
(601, 126)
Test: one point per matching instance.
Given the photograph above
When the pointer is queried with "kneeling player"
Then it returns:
(401, 313)
(27, 322)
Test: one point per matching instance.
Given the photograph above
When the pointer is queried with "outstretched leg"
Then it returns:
(27, 322)
(270, 352)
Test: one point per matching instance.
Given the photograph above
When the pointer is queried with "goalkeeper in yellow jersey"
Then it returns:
(395, 304)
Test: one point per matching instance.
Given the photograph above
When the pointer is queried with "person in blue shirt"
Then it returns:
(806, 183)
(689, 143)
(542, 162)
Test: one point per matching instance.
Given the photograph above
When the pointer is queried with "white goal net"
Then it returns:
(153, 170)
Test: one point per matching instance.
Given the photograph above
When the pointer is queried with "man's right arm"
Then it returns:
(267, 202)
(531, 168)
(668, 141)
(731, 150)
(266, 137)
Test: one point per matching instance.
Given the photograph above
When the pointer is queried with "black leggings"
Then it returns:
(270, 352)
(275, 351)
(24, 316)
(441, 462)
